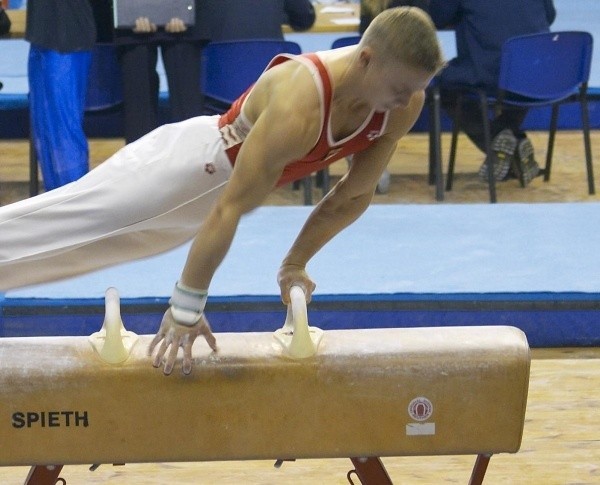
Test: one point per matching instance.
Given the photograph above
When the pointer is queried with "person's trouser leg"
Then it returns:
(140, 89)
(182, 66)
(57, 90)
(472, 125)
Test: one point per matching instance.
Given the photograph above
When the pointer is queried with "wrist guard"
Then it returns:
(187, 304)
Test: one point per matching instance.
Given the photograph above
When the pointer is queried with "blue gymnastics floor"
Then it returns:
(534, 266)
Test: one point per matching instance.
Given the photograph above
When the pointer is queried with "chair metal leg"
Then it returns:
(325, 181)
(453, 142)
(585, 119)
(435, 144)
(307, 185)
(429, 101)
(488, 145)
(551, 136)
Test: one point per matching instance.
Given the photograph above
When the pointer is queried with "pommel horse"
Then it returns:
(359, 394)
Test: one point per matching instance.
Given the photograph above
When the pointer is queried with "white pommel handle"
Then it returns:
(113, 343)
(297, 339)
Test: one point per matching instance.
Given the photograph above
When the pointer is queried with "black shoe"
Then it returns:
(503, 147)
(528, 165)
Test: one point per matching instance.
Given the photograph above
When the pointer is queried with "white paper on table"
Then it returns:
(336, 10)
(353, 21)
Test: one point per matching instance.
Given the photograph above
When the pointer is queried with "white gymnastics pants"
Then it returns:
(149, 197)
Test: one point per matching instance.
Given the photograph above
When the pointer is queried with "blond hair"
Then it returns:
(407, 35)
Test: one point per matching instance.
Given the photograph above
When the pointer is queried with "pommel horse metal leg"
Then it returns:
(479, 469)
(44, 475)
(369, 471)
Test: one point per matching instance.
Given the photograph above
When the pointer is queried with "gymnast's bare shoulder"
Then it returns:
(285, 102)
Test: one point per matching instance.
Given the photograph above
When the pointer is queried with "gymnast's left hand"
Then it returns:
(172, 335)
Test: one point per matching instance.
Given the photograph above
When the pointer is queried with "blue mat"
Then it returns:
(534, 266)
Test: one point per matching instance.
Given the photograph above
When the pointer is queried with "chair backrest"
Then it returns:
(231, 67)
(345, 41)
(547, 66)
(104, 81)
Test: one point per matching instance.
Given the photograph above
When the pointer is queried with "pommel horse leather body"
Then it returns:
(367, 393)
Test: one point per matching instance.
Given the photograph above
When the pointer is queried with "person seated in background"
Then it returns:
(181, 50)
(482, 27)
(248, 19)
(138, 47)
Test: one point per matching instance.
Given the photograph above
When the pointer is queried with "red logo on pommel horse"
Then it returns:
(420, 409)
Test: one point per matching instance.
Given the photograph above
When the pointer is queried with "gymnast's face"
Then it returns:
(391, 85)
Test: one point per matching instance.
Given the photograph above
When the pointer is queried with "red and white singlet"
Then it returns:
(234, 126)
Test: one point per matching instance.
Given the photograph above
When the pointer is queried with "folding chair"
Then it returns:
(544, 69)
(231, 67)
(345, 41)
(104, 84)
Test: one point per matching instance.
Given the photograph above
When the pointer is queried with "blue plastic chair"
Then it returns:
(544, 69)
(105, 90)
(345, 41)
(231, 67)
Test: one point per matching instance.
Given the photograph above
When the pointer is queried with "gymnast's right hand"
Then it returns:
(172, 335)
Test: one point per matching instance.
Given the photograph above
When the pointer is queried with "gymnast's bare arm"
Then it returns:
(346, 201)
(285, 128)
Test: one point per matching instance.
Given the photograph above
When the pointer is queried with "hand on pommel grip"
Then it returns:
(291, 274)
(181, 324)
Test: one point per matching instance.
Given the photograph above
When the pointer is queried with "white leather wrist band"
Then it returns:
(187, 304)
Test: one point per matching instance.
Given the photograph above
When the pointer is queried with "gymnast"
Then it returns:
(197, 178)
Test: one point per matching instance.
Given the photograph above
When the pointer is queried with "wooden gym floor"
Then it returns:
(408, 168)
(561, 442)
